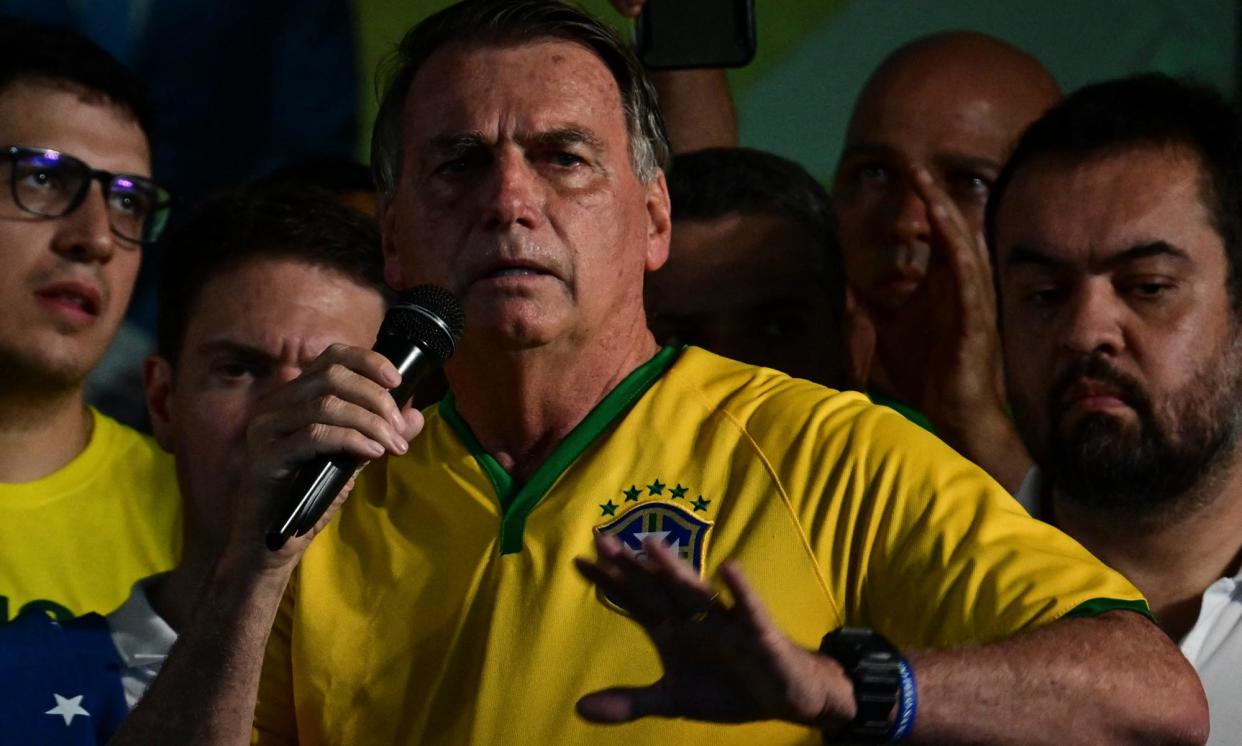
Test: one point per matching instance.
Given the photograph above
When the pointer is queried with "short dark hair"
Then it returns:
(718, 182)
(1149, 110)
(506, 22)
(256, 222)
(65, 59)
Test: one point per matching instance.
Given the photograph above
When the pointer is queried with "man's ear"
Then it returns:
(659, 223)
(157, 379)
(393, 275)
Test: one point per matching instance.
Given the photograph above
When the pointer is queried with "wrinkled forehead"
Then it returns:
(464, 84)
(316, 306)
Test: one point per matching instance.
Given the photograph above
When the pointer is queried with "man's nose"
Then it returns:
(908, 215)
(85, 234)
(1093, 320)
(515, 194)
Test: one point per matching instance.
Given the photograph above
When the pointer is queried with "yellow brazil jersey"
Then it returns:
(76, 540)
(442, 607)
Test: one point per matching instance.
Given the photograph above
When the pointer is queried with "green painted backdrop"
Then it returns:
(815, 54)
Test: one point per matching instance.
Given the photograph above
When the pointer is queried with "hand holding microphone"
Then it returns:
(314, 433)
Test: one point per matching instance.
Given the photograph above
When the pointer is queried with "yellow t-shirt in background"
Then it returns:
(76, 540)
(442, 606)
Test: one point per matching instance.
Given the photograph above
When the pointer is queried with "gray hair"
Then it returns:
(513, 22)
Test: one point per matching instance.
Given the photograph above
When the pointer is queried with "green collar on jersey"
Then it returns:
(517, 501)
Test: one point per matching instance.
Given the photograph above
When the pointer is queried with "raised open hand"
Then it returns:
(722, 663)
(963, 390)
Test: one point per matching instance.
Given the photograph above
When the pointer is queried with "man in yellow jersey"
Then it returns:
(87, 506)
(519, 154)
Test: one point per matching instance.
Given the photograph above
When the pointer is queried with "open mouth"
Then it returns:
(75, 297)
(511, 270)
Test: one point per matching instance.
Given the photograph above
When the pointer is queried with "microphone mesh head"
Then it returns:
(429, 315)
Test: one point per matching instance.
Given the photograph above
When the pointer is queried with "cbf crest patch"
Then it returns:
(677, 527)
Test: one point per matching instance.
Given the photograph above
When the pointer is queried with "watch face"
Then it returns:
(873, 665)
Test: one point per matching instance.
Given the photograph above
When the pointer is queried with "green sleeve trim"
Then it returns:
(517, 502)
(905, 410)
(1097, 606)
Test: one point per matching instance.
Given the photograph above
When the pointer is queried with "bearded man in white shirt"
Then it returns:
(1116, 231)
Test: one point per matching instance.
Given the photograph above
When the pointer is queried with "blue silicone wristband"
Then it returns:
(907, 706)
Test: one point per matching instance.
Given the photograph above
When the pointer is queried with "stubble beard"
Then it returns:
(1159, 466)
(39, 375)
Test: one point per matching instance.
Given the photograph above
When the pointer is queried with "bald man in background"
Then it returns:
(927, 137)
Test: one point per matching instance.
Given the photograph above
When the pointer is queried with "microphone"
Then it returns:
(418, 335)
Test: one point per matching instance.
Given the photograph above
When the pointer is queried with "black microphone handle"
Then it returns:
(318, 483)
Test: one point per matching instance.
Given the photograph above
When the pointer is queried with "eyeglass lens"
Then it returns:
(52, 184)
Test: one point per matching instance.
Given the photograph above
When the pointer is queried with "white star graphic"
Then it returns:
(662, 536)
(642, 536)
(68, 708)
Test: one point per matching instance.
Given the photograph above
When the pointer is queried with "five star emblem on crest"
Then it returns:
(656, 488)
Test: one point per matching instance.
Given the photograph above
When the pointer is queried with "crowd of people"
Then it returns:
(946, 453)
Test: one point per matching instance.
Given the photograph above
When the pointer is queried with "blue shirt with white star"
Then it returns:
(60, 684)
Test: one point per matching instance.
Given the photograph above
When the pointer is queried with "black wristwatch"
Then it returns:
(874, 665)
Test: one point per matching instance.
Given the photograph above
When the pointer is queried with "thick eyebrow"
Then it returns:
(244, 352)
(458, 142)
(455, 142)
(1030, 256)
(564, 137)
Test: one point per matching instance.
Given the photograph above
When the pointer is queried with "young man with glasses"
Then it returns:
(87, 506)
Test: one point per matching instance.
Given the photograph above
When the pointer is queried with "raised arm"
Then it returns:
(206, 691)
(1109, 679)
(697, 104)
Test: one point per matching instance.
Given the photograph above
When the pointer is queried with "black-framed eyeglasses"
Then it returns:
(52, 184)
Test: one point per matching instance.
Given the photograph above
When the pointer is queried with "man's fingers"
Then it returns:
(628, 8)
(356, 374)
(687, 592)
(747, 604)
(655, 587)
(365, 362)
(623, 704)
(942, 206)
(413, 422)
(328, 412)
(340, 381)
(286, 454)
(609, 580)
(957, 239)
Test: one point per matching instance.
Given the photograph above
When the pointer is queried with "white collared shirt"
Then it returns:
(142, 638)
(1213, 646)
